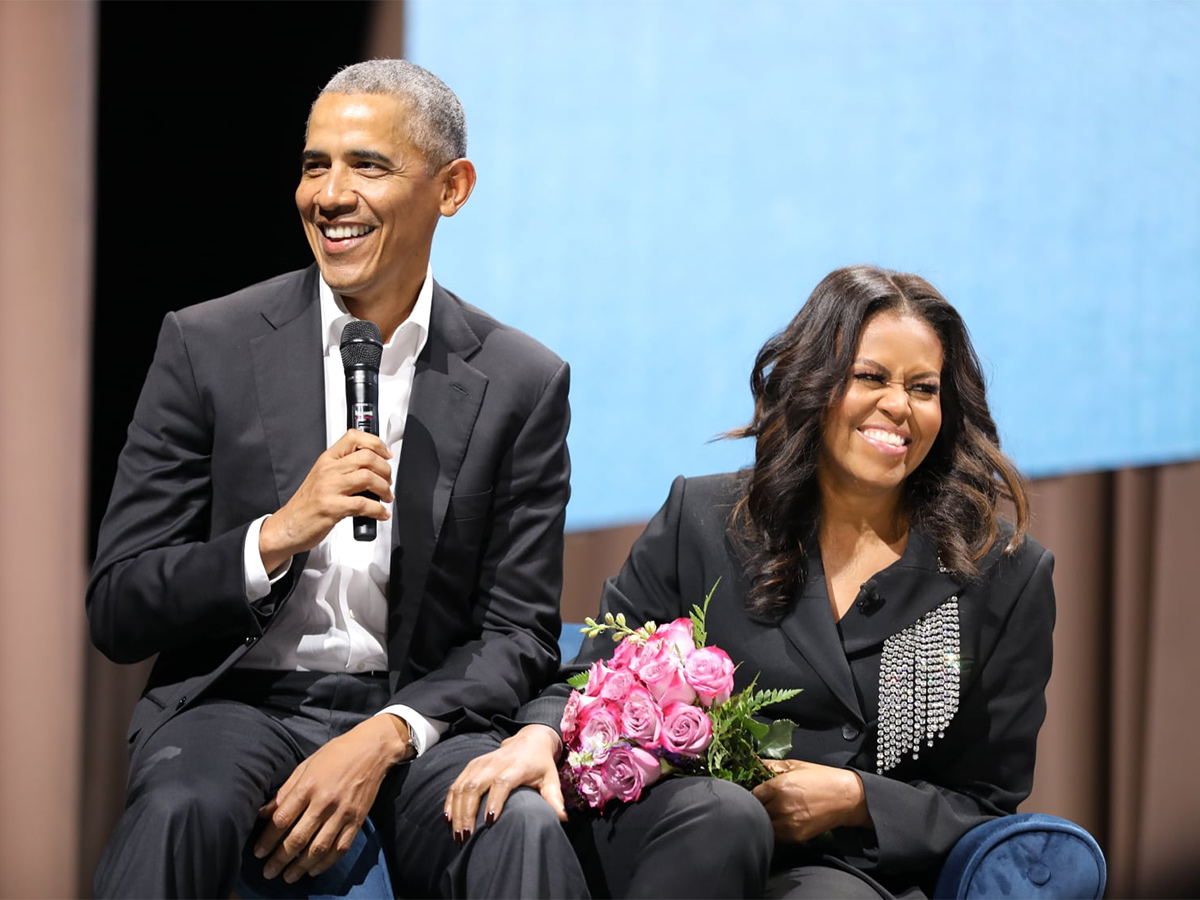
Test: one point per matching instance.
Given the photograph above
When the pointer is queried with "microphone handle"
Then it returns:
(362, 412)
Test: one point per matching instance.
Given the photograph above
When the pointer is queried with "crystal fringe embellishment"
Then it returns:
(918, 685)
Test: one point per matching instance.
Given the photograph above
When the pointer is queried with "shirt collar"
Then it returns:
(334, 316)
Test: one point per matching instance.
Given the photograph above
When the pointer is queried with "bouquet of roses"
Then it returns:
(663, 705)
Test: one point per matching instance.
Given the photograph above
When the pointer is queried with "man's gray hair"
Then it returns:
(438, 126)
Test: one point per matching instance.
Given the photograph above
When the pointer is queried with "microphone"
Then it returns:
(868, 598)
(362, 349)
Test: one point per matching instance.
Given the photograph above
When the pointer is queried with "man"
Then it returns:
(298, 668)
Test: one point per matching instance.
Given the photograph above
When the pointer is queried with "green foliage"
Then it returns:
(698, 615)
(740, 740)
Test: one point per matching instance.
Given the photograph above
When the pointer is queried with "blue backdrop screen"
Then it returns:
(663, 183)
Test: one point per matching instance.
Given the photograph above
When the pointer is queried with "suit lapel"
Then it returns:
(289, 377)
(810, 626)
(907, 590)
(446, 396)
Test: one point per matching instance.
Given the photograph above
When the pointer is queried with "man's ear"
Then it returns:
(458, 180)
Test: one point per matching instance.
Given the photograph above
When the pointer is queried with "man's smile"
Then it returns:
(342, 232)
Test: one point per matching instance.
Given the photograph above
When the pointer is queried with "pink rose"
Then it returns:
(610, 684)
(628, 770)
(590, 784)
(709, 671)
(677, 638)
(641, 718)
(663, 675)
(598, 728)
(626, 655)
(687, 729)
(576, 704)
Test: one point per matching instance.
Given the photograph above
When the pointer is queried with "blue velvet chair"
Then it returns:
(1029, 855)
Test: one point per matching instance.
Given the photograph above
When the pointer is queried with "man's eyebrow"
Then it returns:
(365, 155)
(370, 156)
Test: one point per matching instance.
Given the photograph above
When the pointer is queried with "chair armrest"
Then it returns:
(360, 873)
(1025, 855)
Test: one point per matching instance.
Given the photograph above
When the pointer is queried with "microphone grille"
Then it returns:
(362, 345)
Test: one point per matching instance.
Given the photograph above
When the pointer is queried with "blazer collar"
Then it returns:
(289, 378)
(446, 397)
(903, 592)
(907, 590)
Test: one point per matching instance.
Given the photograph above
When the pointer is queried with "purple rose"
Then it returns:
(687, 730)
(590, 784)
(641, 718)
(628, 770)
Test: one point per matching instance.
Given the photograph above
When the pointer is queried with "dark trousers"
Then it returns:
(196, 784)
(685, 837)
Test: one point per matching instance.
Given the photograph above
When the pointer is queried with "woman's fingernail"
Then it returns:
(490, 817)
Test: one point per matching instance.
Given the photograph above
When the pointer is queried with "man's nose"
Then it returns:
(335, 193)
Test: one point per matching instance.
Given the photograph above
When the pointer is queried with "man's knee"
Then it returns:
(190, 807)
(526, 813)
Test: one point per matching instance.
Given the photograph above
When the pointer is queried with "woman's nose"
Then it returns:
(894, 400)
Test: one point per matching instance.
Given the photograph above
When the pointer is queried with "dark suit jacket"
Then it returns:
(984, 765)
(229, 422)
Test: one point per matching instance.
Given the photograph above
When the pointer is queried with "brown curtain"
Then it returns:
(46, 63)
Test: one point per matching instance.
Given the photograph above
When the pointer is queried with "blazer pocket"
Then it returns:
(470, 506)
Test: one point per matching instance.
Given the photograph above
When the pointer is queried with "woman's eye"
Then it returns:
(870, 376)
(929, 390)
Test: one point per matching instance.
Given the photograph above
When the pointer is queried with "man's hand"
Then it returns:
(320, 808)
(805, 800)
(527, 758)
(356, 462)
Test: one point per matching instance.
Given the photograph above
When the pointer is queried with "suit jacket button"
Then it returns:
(849, 732)
(181, 704)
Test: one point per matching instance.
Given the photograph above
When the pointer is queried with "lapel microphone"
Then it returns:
(362, 349)
(869, 599)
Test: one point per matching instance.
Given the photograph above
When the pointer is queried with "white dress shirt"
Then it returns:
(336, 619)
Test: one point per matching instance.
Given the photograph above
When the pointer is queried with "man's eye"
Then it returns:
(313, 168)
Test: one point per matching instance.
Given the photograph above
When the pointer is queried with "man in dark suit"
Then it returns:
(298, 668)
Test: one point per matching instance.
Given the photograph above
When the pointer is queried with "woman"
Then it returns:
(861, 559)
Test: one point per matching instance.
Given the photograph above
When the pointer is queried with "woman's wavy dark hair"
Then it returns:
(951, 497)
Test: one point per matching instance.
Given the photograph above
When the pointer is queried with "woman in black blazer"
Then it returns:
(861, 559)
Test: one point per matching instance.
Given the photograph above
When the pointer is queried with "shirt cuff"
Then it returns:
(425, 732)
(258, 582)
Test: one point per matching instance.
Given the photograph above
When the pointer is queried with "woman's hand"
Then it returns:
(805, 800)
(527, 758)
